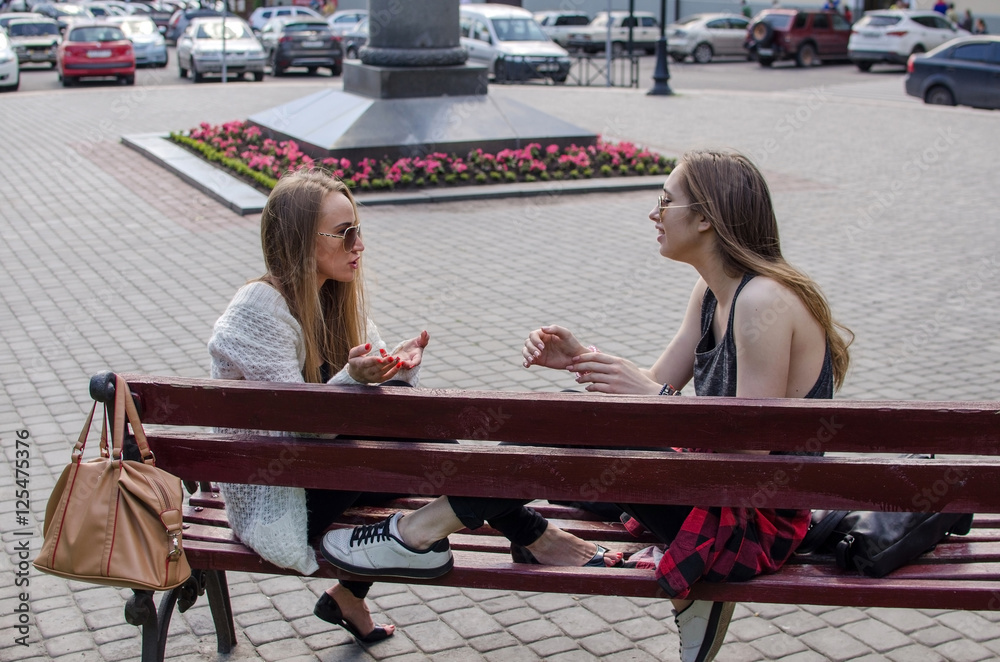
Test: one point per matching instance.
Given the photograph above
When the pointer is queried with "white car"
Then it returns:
(593, 37)
(704, 36)
(559, 24)
(511, 44)
(200, 49)
(10, 71)
(149, 45)
(893, 35)
(342, 22)
(262, 15)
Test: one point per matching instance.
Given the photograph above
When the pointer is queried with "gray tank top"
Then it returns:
(715, 363)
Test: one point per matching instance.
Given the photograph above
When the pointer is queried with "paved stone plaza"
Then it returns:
(107, 262)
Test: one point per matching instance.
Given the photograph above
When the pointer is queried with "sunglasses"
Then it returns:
(350, 236)
(663, 203)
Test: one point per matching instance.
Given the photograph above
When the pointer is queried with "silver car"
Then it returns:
(149, 45)
(704, 36)
(204, 43)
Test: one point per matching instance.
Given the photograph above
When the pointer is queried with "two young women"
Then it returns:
(715, 214)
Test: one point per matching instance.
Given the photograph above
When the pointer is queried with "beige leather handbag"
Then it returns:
(113, 521)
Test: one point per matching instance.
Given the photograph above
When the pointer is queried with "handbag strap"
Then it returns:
(820, 531)
(125, 406)
(82, 441)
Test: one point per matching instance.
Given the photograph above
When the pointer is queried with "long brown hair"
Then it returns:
(732, 194)
(333, 317)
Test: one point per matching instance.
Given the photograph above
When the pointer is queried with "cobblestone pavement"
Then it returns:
(106, 262)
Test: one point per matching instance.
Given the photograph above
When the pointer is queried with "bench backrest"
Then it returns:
(620, 441)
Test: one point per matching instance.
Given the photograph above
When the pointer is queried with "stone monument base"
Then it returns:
(345, 125)
(378, 82)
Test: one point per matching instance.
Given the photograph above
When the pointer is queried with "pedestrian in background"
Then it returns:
(941, 7)
(966, 23)
(980, 27)
(745, 8)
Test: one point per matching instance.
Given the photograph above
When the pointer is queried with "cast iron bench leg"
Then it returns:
(222, 611)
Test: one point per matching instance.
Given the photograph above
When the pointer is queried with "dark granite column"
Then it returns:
(413, 50)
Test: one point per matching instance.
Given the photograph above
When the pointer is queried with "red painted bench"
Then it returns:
(961, 573)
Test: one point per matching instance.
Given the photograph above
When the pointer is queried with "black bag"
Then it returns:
(876, 543)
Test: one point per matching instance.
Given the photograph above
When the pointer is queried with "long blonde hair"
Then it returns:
(732, 194)
(333, 317)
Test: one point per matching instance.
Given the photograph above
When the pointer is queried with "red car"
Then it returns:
(95, 50)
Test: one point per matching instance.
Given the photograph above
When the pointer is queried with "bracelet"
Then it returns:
(669, 390)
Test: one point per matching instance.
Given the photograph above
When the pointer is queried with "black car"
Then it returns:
(301, 42)
(62, 13)
(963, 71)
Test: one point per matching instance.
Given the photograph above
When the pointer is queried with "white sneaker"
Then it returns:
(702, 628)
(377, 549)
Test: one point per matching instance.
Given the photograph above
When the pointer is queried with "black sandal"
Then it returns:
(328, 610)
(520, 554)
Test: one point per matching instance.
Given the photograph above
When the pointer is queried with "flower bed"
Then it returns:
(244, 150)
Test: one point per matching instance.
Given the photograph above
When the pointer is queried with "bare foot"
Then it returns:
(557, 547)
(355, 610)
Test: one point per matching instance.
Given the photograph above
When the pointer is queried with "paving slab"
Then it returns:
(108, 262)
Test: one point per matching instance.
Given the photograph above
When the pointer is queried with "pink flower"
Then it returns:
(552, 150)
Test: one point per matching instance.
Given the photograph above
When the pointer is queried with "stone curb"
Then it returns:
(244, 199)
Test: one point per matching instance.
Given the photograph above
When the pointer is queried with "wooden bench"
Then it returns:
(961, 573)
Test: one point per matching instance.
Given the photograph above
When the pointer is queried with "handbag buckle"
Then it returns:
(176, 551)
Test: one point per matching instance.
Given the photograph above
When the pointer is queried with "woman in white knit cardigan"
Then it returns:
(305, 321)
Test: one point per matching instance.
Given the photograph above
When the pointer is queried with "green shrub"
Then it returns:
(606, 170)
(588, 172)
(480, 178)
(530, 178)
(510, 176)
(544, 176)
(450, 178)
(495, 176)
(406, 179)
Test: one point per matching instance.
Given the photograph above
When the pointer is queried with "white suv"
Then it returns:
(559, 24)
(892, 35)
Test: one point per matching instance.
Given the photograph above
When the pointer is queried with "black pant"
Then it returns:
(520, 524)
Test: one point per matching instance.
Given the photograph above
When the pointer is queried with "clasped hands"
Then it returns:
(374, 368)
(556, 347)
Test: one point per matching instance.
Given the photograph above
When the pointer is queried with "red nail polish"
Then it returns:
(368, 347)
(383, 352)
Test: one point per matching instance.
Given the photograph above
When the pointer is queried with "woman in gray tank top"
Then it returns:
(754, 327)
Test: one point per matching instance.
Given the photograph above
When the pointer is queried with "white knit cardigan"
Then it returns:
(258, 339)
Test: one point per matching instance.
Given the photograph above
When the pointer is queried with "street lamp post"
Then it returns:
(662, 73)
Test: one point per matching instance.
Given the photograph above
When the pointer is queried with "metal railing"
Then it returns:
(595, 69)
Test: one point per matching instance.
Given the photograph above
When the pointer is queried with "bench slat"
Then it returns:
(806, 584)
(588, 419)
(954, 485)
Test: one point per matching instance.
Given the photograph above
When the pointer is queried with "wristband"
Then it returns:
(669, 390)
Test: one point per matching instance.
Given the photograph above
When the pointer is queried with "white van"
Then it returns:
(510, 43)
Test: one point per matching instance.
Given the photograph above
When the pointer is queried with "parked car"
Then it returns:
(964, 71)
(7, 17)
(354, 39)
(199, 49)
(262, 15)
(63, 13)
(808, 37)
(104, 10)
(182, 17)
(10, 71)
(301, 42)
(342, 22)
(592, 38)
(893, 35)
(96, 49)
(704, 36)
(149, 45)
(559, 24)
(160, 12)
(511, 44)
(35, 40)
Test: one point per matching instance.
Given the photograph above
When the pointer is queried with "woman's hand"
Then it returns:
(603, 373)
(412, 351)
(551, 347)
(372, 368)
